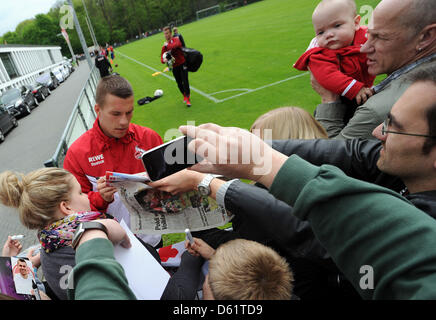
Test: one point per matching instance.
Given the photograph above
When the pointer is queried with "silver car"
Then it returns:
(57, 71)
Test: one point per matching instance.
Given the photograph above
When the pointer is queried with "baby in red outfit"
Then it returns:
(334, 56)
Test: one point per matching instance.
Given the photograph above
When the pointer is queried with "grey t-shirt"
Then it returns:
(56, 267)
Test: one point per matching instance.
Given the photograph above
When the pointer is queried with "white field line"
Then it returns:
(209, 96)
(230, 90)
(265, 86)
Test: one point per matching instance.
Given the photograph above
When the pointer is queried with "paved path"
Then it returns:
(34, 141)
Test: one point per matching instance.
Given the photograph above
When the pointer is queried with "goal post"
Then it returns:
(231, 6)
(203, 13)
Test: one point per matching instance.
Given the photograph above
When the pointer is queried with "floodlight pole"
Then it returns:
(91, 29)
(73, 56)
(81, 37)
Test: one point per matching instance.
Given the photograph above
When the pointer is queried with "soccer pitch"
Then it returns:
(247, 66)
(247, 70)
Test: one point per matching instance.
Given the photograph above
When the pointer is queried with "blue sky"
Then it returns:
(12, 12)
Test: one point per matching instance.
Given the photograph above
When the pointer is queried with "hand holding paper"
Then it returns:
(116, 233)
(106, 191)
(152, 211)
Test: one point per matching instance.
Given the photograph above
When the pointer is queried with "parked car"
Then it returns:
(58, 73)
(29, 98)
(40, 91)
(69, 65)
(48, 79)
(18, 104)
(7, 123)
(65, 71)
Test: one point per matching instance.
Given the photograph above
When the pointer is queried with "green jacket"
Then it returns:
(97, 275)
(361, 225)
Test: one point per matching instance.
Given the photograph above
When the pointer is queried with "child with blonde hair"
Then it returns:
(243, 270)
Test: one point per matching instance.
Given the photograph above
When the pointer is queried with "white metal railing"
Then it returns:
(81, 119)
(17, 82)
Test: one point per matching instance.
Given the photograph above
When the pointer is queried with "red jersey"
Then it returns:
(343, 71)
(94, 153)
(176, 51)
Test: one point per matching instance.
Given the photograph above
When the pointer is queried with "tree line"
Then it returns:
(113, 21)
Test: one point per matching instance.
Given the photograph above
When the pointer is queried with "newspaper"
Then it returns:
(157, 212)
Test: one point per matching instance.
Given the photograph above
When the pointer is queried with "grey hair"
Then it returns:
(420, 14)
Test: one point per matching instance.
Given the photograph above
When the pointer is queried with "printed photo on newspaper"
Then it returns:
(158, 212)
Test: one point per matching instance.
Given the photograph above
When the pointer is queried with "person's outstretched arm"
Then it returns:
(361, 225)
(356, 157)
(97, 275)
(366, 229)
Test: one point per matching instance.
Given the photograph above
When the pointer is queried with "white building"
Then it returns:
(21, 64)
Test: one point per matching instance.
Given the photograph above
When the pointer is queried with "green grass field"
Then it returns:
(252, 47)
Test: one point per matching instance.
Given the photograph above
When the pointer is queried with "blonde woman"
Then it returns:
(51, 201)
(288, 123)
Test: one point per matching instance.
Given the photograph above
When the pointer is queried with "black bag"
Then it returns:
(147, 100)
(194, 59)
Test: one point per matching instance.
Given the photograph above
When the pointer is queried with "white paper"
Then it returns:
(156, 212)
(151, 213)
(147, 279)
(118, 210)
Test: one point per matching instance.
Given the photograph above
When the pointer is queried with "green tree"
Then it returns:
(119, 36)
(112, 21)
(11, 37)
(23, 25)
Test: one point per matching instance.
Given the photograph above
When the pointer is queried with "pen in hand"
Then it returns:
(36, 291)
(189, 236)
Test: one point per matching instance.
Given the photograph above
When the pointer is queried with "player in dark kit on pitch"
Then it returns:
(173, 56)
(103, 65)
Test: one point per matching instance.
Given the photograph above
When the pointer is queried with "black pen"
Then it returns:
(35, 290)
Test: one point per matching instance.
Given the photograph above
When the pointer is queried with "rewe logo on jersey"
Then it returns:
(139, 152)
(96, 160)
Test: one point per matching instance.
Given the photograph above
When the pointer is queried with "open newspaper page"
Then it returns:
(158, 212)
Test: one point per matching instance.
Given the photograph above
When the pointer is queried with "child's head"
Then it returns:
(335, 23)
(289, 123)
(42, 196)
(246, 270)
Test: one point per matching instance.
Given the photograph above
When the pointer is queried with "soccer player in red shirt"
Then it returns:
(172, 54)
